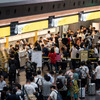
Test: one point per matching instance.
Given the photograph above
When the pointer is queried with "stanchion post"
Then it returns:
(7, 42)
(35, 36)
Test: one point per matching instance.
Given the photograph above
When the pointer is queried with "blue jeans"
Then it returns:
(55, 65)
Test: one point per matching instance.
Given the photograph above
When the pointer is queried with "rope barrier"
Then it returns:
(73, 58)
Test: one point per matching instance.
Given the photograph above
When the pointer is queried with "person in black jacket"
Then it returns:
(65, 40)
(16, 55)
(12, 95)
(12, 69)
(37, 46)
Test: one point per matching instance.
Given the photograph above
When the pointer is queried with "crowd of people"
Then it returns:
(56, 83)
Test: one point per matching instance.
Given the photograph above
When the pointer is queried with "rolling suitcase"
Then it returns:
(81, 92)
(91, 89)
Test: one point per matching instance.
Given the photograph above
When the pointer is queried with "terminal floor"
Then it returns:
(97, 97)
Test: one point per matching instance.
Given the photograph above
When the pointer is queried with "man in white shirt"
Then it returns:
(2, 83)
(34, 85)
(74, 52)
(48, 35)
(97, 75)
(51, 75)
(29, 88)
(36, 79)
(56, 49)
(85, 73)
(53, 94)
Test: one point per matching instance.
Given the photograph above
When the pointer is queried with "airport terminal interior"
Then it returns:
(49, 49)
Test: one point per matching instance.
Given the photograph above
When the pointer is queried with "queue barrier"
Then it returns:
(73, 58)
(4, 62)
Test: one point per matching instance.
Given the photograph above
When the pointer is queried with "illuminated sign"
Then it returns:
(90, 16)
(65, 20)
(4, 31)
(29, 27)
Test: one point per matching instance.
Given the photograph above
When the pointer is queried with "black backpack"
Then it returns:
(12, 68)
(68, 80)
(59, 84)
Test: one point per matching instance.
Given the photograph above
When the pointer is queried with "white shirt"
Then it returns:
(34, 85)
(29, 88)
(84, 71)
(99, 41)
(74, 52)
(81, 49)
(95, 51)
(39, 76)
(53, 95)
(51, 78)
(48, 36)
(35, 79)
(56, 50)
(2, 85)
(98, 72)
(39, 81)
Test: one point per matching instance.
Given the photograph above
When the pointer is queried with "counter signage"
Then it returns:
(4, 31)
(64, 20)
(29, 27)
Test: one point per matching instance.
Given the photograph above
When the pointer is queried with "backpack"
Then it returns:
(83, 72)
(59, 84)
(37, 89)
(78, 71)
(12, 68)
(30, 55)
(58, 96)
(68, 80)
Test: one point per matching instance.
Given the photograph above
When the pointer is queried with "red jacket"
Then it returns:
(52, 57)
